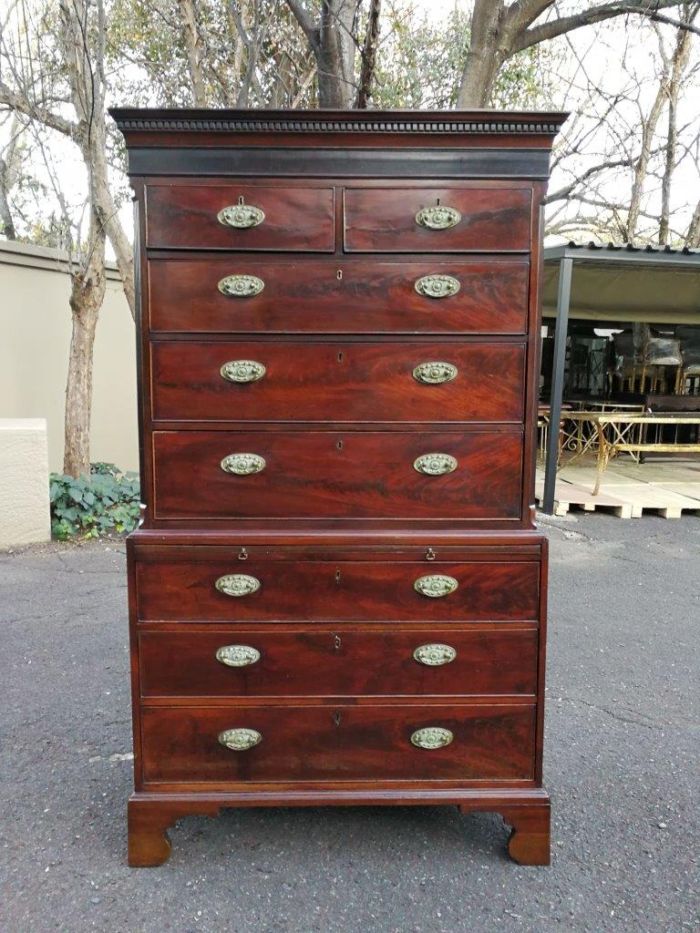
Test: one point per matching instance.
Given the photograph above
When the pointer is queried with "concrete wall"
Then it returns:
(35, 329)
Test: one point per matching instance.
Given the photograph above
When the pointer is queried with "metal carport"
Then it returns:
(611, 285)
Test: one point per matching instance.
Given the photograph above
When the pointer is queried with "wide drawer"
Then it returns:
(327, 474)
(417, 220)
(205, 585)
(332, 661)
(240, 217)
(341, 296)
(334, 381)
(342, 742)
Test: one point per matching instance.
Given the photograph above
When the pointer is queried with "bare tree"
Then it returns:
(630, 136)
(9, 176)
(333, 39)
(499, 30)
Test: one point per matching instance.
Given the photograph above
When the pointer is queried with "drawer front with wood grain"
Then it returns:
(426, 220)
(252, 294)
(337, 381)
(206, 585)
(230, 475)
(337, 661)
(240, 217)
(341, 742)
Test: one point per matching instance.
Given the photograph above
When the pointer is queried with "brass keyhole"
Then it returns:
(340, 357)
(339, 275)
(243, 554)
(430, 554)
(337, 577)
(337, 642)
(336, 717)
(339, 444)
(241, 199)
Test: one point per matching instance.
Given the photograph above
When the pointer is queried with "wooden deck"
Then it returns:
(662, 487)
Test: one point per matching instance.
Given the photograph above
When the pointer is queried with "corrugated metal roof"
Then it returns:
(630, 248)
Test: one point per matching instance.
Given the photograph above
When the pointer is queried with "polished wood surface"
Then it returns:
(342, 590)
(344, 742)
(384, 219)
(370, 660)
(366, 382)
(339, 525)
(185, 215)
(342, 295)
(327, 474)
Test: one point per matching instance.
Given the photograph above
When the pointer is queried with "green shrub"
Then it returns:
(90, 506)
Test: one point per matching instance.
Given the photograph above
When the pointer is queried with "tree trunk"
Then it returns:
(487, 52)
(87, 293)
(193, 45)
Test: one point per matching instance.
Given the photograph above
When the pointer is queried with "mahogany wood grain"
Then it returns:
(366, 382)
(345, 662)
(329, 474)
(326, 590)
(307, 295)
(344, 742)
(384, 219)
(296, 218)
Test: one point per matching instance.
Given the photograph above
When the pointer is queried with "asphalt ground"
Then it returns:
(620, 763)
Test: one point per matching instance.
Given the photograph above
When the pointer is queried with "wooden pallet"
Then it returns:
(621, 494)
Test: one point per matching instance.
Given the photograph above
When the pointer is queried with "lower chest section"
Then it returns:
(265, 664)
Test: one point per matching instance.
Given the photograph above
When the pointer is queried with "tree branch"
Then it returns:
(558, 27)
(13, 100)
(303, 17)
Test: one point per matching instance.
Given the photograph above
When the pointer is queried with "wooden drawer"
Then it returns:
(334, 661)
(400, 220)
(365, 382)
(327, 474)
(342, 296)
(181, 584)
(341, 742)
(296, 219)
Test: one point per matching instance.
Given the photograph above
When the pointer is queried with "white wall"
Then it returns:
(35, 329)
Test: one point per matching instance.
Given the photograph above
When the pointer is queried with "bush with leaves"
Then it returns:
(104, 502)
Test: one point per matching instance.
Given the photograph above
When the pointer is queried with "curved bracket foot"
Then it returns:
(529, 840)
(149, 820)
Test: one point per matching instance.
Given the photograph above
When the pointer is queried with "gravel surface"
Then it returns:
(621, 765)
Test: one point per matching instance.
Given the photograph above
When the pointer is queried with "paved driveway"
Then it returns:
(621, 753)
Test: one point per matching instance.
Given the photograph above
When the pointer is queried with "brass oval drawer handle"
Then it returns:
(240, 740)
(438, 217)
(241, 286)
(437, 286)
(237, 584)
(242, 371)
(241, 216)
(432, 737)
(237, 655)
(435, 464)
(435, 655)
(435, 585)
(243, 464)
(434, 373)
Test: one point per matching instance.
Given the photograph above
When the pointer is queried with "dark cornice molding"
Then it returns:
(483, 122)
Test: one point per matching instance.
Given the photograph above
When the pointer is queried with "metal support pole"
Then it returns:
(557, 389)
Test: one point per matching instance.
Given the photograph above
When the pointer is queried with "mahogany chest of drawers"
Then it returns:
(337, 594)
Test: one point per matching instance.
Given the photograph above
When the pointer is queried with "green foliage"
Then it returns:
(421, 60)
(90, 506)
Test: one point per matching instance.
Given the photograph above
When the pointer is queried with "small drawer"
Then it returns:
(210, 584)
(238, 294)
(331, 661)
(436, 220)
(240, 217)
(340, 742)
(347, 475)
(337, 381)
